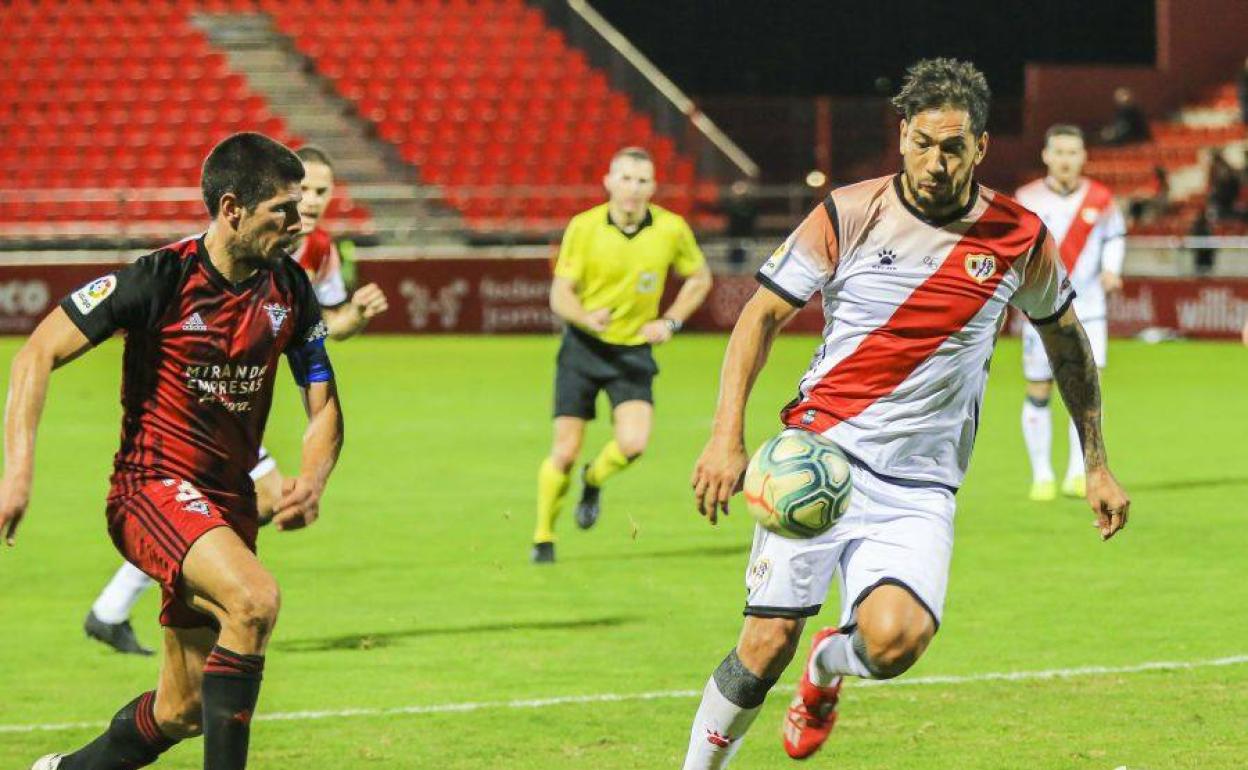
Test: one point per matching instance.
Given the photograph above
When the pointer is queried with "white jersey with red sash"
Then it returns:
(319, 257)
(912, 308)
(1089, 230)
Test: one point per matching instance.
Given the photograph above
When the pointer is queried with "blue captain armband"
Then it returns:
(309, 361)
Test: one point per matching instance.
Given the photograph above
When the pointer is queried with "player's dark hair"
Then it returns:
(314, 153)
(1063, 129)
(935, 83)
(636, 153)
(251, 166)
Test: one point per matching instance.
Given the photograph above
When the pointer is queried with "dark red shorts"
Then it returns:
(154, 528)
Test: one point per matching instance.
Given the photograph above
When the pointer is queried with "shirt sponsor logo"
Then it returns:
(89, 297)
(230, 385)
(981, 267)
(277, 315)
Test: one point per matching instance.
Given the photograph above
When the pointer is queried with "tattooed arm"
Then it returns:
(1077, 379)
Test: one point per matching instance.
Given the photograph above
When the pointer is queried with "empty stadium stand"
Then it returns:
(484, 100)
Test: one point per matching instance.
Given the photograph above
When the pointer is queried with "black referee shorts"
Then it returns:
(587, 365)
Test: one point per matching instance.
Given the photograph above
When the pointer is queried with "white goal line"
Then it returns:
(564, 700)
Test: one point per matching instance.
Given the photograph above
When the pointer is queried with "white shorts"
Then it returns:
(265, 466)
(1036, 362)
(895, 532)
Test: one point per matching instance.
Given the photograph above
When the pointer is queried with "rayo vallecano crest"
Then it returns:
(981, 267)
(277, 314)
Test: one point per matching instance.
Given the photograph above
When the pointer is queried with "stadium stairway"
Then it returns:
(378, 178)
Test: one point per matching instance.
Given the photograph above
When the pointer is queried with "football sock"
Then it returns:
(114, 603)
(132, 740)
(551, 487)
(730, 702)
(1038, 436)
(231, 687)
(609, 462)
(1075, 466)
(837, 656)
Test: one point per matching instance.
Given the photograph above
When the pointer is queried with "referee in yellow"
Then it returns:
(612, 267)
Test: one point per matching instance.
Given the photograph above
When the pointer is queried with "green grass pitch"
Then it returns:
(414, 589)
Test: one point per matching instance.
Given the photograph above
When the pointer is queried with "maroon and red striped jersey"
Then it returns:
(201, 355)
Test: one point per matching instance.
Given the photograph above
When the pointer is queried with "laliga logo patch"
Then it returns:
(759, 572)
(1089, 215)
(277, 315)
(981, 267)
(90, 296)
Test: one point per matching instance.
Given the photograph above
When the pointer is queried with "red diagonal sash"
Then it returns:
(1094, 202)
(937, 308)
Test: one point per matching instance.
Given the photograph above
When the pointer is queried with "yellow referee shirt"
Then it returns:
(626, 272)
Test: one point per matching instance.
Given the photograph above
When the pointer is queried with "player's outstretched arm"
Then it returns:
(1074, 370)
(717, 473)
(55, 341)
(350, 318)
(322, 441)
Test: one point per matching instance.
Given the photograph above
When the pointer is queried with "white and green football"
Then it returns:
(798, 484)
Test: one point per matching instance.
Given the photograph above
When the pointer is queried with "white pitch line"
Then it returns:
(535, 703)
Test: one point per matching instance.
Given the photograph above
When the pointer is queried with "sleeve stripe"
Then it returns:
(1051, 318)
(776, 289)
(829, 206)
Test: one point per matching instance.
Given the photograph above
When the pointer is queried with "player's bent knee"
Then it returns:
(890, 646)
(255, 609)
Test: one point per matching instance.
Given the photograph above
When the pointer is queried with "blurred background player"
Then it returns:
(108, 621)
(207, 320)
(1090, 231)
(609, 278)
(904, 346)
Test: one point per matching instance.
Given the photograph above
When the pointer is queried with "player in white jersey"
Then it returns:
(1089, 229)
(345, 315)
(916, 272)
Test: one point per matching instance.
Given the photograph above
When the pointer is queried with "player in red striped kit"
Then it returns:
(206, 321)
(1089, 230)
(916, 272)
(345, 316)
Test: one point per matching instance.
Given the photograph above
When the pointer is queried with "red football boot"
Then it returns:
(812, 713)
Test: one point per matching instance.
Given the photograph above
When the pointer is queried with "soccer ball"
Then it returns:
(797, 484)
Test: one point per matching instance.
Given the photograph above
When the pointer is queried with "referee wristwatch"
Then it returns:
(673, 325)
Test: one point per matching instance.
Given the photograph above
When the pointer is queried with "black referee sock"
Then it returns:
(231, 687)
(132, 740)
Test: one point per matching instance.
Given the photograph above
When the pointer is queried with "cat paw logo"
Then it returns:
(981, 267)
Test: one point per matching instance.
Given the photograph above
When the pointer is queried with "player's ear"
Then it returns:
(231, 209)
(901, 136)
(981, 148)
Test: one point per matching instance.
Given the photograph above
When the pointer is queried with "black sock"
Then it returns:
(132, 740)
(231, 687)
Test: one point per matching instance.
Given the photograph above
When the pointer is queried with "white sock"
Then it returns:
(1075, 467)
(1038, 436)
(121, 594)
(718, 729)
(834, 658)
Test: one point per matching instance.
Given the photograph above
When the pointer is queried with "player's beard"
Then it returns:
(249, 250)
(946, 198)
